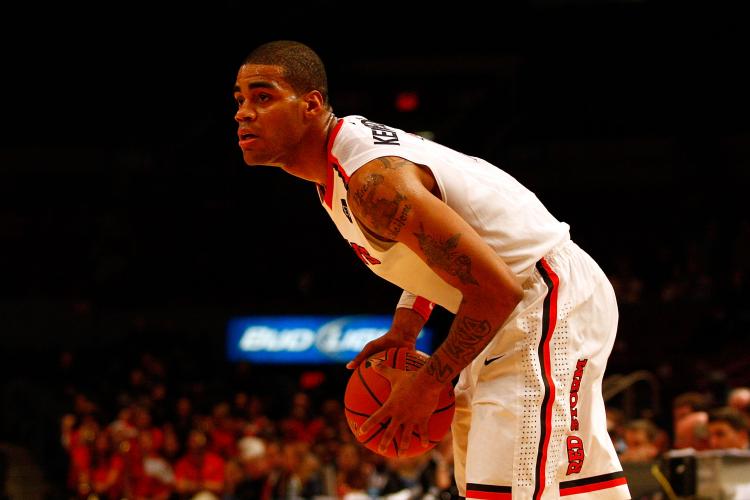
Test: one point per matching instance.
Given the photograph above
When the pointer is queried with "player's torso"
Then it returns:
(506, 215)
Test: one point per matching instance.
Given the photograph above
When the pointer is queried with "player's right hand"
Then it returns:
(390, 339)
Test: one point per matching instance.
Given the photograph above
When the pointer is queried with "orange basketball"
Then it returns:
(367, 390)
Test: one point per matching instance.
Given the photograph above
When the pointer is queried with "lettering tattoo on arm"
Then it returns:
(443, 254)
(439, 369)
(387, 216)
(467, 338)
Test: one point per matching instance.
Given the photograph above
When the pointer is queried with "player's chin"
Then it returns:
(253, 160)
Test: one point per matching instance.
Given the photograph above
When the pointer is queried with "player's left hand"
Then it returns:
(407, 410)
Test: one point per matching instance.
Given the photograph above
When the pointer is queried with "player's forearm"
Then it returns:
(407, 323)
(475, 325)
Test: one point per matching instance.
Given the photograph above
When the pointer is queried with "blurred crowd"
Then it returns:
(150, 445)
(144, 442)
(698, 423)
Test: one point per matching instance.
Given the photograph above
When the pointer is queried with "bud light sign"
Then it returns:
(307, 339)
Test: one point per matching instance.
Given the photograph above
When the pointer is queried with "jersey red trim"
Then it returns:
(594, 483)
(333, 164)
(488, 491)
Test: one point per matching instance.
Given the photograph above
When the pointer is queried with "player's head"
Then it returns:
(302, 68)
(281, 94)
(727, 428)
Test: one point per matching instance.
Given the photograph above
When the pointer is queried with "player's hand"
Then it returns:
(406, 411)
(403, 333)
(388, 340)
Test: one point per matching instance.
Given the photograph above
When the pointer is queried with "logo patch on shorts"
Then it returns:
(487, 361)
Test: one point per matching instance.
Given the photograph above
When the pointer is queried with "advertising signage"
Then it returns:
(307, 339)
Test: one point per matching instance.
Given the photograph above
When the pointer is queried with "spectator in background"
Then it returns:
(220, 427)
(691, 431)
(105, 471)
(443, 481)
(308, 476)
(154, 478)
(640, 441)
(183, 419)
(739, 399)
(727, 429)
(351, 477)
(255, 469)
(199, 469)
(301, 424)
(688, 402)
(258, 423)
(407, 477)
(689, 420)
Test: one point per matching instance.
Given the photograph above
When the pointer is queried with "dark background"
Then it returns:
(129, 223)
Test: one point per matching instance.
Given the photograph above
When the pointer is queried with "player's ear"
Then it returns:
(314, 102)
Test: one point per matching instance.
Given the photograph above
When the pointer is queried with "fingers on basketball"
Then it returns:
(367, 390)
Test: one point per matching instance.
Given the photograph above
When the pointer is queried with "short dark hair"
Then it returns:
(303, 69)
(734, 418)
(645, 425)
(695, 400)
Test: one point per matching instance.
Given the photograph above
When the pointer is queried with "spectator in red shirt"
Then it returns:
(154, 478)
(199, 469)
(301, 425)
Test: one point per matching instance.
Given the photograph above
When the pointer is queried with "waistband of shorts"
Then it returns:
(565, 245)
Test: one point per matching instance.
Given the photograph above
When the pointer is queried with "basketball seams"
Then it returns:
(377, 387)
(360, 414)
(367, 387)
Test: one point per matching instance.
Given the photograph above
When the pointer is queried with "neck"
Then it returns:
(311, 161)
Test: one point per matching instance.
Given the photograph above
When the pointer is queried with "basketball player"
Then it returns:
(535, 317)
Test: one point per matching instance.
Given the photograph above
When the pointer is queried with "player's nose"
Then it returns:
(244, 113)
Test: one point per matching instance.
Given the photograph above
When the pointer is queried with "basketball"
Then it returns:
(367, 390)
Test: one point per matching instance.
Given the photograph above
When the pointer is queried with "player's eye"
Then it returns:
(239, 100)
(263, 97)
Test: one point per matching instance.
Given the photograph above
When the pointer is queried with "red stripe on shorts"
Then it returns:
(549, 320)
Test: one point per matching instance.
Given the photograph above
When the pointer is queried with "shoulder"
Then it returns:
(392, 174)
(387, 171)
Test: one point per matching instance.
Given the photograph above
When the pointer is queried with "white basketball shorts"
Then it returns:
(530, 420)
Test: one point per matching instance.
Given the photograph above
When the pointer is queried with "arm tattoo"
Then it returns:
(442, 371)
(467, 337)
(388, 217)
(442, 254)
(393, 162)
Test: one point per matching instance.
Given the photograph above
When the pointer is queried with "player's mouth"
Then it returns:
(246, 139)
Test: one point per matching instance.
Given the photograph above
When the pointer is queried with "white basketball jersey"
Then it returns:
(507, 216)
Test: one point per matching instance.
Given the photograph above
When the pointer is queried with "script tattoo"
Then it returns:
(393, 162)
(388, 216)
(442, 371)
(443, 254)
(467, 334)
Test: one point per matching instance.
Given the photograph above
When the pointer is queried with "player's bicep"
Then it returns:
(396, 204)
(377, 196)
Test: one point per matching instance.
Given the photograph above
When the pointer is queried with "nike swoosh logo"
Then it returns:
(487, 361)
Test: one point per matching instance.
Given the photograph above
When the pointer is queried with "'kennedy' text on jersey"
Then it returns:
(381, 134)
